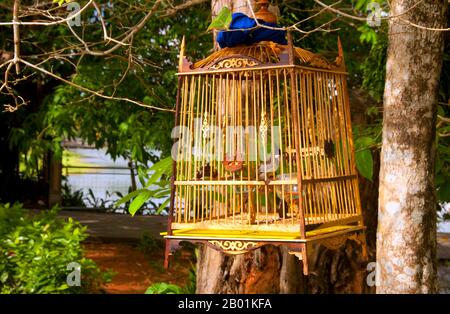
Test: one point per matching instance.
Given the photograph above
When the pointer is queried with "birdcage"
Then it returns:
(264, 152)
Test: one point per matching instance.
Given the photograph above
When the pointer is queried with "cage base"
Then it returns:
(236, 242)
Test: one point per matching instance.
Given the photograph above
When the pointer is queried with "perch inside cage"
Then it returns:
(265, 152)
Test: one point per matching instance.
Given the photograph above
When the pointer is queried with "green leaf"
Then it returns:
(163, 288)
(222, 20)
(142, 175)
(147, 100)
(368, 35)
(360, 4)
(4, 277)
(440, 110)
(363, 156)
(364, 163)
(364, 142)
(160, 193)
(139, 201)
(164, 166)
(128, 197)
(63, 287)
(162, 206)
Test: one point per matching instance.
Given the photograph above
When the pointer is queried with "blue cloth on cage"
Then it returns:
(251, 36)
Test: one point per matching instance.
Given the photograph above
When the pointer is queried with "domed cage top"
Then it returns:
(264, 151)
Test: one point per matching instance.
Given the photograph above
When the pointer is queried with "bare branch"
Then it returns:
(443, 119)
(128, 37)
(85, 89)
(399, 16)
(59, 21)
(16, 35)
(424, 27)
(175, 9)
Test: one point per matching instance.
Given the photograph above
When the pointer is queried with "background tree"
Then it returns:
(406, 238)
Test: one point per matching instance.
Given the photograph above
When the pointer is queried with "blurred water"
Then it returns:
(444, 225)
(102, 182)
(105, 184)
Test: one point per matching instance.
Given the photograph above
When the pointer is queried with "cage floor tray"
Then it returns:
(265, 236)
(265, 222)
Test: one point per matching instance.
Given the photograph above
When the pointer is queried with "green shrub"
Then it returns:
(166, 288)
(149, 244)
(36, 249)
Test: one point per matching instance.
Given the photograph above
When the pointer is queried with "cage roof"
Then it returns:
(271, 53)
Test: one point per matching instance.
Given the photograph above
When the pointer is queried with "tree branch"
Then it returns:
(16, 35)
(60, 21)
(96, 93)
(185, 5)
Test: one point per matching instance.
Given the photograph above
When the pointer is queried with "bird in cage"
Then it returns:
(329, 148)
(206, 172)
(234, 163)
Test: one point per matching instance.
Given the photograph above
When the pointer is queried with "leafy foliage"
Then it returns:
(164, 288)
(36, 249)
(374, 71)
(149, 244)
(71, 198)
(363, 156)
(156, 186)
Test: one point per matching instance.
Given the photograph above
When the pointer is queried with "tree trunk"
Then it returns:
(266, 270)
(233, 5)
(406, 235)
(55, 178)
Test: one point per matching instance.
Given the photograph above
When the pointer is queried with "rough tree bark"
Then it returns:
(406, 236)
(233, 5)
(271, 269)
(54, 180)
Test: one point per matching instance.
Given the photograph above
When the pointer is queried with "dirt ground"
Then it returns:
(134, 270)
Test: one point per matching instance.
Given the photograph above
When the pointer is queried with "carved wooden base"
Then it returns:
(299, 249)
(234, 247)
(336, 242)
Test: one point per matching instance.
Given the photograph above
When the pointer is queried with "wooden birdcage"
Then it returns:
(264, 152)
